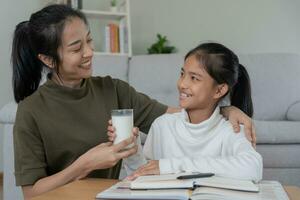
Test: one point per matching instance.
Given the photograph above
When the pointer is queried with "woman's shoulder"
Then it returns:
(32, 100)
(28, 107)
(30, 104)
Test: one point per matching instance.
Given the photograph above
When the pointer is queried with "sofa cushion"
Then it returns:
(286, 176)
(280, 155)
(293, 113)
(8, 113)
(156, 76)
(275, 132)
(115, 66)
(275, 83)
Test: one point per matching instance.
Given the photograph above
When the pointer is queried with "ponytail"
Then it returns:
(240, 95)
(27, 68)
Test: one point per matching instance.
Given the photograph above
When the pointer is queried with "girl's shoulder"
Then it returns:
(167, 118)
(229, 131)
(164, 126)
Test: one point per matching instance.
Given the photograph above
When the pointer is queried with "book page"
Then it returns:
(269, 190)
(168, 181)
(159, 177)
(118, 191)
(227, 183)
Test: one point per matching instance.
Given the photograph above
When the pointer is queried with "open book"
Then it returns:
(169, 187)
(268, 190)
(171, 182)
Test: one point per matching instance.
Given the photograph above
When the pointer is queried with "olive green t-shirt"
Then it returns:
(56, 124)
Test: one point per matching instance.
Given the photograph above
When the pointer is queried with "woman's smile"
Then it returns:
(86, 65)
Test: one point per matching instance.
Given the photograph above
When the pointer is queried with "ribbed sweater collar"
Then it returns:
(202, 128)
(64, 92)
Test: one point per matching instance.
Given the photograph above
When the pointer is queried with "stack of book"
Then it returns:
(115, 37)
(170, 187)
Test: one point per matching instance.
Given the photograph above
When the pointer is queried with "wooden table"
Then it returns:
(88, 188)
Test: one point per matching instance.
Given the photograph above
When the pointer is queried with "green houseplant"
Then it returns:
(160, 47)
(113, 5)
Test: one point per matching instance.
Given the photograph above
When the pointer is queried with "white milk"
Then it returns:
(123, 124)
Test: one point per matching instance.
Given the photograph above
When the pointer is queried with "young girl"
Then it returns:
(60, 127)
(199, 139)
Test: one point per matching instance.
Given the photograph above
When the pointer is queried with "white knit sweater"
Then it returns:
(210, 146)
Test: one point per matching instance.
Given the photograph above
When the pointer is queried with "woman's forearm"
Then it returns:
(77, 170)
(102, 156)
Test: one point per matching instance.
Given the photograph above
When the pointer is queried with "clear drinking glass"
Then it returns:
(122, 120)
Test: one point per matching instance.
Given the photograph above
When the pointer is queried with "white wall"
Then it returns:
(11, 13)
(245, 26)
(253, 26)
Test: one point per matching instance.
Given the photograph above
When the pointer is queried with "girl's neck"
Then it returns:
(197, 116)
(71, 84)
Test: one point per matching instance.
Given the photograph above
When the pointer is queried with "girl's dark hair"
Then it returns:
(224, 67)
(42, 34)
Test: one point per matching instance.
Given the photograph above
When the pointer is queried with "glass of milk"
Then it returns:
(122, 120)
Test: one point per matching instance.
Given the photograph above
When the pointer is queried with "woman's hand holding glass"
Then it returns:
(107, 155)
(112, 135)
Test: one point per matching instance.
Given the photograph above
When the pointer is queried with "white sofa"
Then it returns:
(276, 96)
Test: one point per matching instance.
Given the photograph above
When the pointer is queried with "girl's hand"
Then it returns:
(236, 117)
(112, 135)
(151, 168)
(107, 155)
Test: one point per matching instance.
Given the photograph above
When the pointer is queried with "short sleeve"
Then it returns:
(146, 110)
(30, 163)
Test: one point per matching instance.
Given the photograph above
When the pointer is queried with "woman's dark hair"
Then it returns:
(42, 34)
(224, 67)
